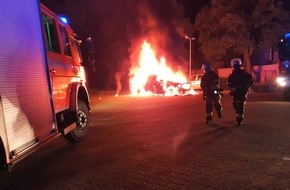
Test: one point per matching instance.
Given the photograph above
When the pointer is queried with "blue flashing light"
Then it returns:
(64, 19)
(287, 35)
(286, 64)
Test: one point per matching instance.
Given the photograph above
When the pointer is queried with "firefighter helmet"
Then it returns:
(236, 63)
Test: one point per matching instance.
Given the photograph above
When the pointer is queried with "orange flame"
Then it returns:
(162, 74)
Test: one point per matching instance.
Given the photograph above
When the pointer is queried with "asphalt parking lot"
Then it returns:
(162, 143)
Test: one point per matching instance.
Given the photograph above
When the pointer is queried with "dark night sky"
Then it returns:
(192, 7)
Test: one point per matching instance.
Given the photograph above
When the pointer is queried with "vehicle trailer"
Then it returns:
(43, 92)
(283, 78)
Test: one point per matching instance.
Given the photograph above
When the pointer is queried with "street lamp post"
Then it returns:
(189, 62)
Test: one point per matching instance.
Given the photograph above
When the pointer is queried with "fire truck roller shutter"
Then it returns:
(4, 153)
(24, 80)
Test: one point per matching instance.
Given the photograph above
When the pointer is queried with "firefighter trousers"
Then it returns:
(210, 102)
(239, 103)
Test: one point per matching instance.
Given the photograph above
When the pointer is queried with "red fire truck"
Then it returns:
(43, 91)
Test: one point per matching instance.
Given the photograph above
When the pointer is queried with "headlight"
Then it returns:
(83, 73)
(281, 81)
(80, 75)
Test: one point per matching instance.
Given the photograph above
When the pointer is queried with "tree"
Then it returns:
(237, 27)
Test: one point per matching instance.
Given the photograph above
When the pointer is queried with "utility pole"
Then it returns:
(189, 62)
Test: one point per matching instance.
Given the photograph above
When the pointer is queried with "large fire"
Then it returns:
(153, 76)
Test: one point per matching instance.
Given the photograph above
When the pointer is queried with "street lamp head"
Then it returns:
(189, 38)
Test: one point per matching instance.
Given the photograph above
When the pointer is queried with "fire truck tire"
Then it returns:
(82, 123)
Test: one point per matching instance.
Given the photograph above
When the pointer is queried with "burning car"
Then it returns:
(152, 75)
(153, 85)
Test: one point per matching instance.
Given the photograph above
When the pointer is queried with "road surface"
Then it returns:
(161, 142)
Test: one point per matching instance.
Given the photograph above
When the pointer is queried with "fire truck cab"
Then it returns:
(43, 92)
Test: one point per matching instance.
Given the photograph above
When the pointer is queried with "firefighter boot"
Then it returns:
(239, 119)
(208, 118)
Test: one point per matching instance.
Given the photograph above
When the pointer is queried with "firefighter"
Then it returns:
(211, 92)
(239, 83)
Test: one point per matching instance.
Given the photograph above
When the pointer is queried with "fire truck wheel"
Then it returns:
(82, 123)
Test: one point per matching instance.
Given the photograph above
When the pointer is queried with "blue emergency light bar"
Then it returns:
(63, 19)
